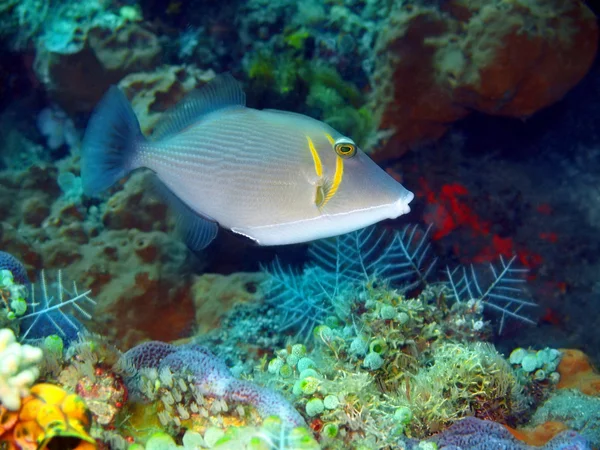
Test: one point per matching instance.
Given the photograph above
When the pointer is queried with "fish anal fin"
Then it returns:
(196, 230)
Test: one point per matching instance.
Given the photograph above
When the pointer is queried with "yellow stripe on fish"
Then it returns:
(337, 179)
(324, 195)
(315, 156)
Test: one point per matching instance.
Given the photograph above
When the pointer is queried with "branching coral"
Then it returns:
(344, 265)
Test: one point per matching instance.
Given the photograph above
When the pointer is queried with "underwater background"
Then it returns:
(471, 322)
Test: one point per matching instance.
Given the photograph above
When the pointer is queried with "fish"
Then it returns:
(274, 177)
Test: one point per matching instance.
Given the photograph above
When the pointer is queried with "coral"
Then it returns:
(57, 128)
(463, 379)
(541, 365)
(51, 418)
(571, 409)
(576, 372)
(13, 295)
(47, 314)
(435, 65)
(16, 268)
(401, 259)
(271, 435)
(77, 79)
(132, 207)
(501, 293)
(18, 369)
(384, 365)
(86, 368)
(36, 313)
(475, 434)
(25, 190)
(211, 376)
(154, 92)
(370, 253)
(304, 301)
(97, 245)
(71, 187)
(539, 435)
(214, 295)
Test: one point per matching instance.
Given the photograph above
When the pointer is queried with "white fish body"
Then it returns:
(275, 177)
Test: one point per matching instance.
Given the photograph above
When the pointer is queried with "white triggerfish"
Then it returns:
(275, 177)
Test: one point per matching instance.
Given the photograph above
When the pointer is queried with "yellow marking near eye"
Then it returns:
(330, 138)
(337, 179)
(315, 156)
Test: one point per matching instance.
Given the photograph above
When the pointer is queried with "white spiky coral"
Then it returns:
(18, 370)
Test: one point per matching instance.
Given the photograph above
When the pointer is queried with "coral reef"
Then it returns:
(215, 295)
(436, 64)
(576, 372)
(18, 369)
(211, 377)
(77, 78)
(49, 418)
(153, 93)
(574, 410)
(475, 434)
(380, 339)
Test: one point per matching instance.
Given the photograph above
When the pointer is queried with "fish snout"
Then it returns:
(401, 206)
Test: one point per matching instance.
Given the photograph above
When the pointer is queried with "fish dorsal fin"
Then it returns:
(223, 91)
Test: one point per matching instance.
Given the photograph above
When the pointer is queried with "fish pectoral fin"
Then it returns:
(320, 195)
(323, 192)
(222, 91)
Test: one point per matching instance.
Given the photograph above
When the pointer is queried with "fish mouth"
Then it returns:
(401, 206)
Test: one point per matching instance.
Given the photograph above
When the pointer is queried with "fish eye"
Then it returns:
(345, 148)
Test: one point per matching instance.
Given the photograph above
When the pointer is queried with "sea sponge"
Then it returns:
(18, 369)
(152, 93)
(76, 81)
(436, 64)
(576, 372)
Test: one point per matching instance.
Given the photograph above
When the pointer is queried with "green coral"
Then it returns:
(13, 296)
(463, 379)
(277, 73)
(338, 102)
(272, 435)
(297, 38)
(387, 366)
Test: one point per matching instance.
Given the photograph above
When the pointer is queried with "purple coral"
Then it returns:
(476, 434)
(9, 262)
(212, 377)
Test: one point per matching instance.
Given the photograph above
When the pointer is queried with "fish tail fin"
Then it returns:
(111, 141)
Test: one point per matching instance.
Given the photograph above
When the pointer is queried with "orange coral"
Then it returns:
(498, 57)
(576, 372)
(49, 418)
(539, 435)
